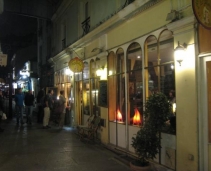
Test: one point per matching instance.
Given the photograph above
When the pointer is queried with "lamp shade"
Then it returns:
(179, 53)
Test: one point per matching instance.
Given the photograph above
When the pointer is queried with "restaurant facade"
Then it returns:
(126, 58)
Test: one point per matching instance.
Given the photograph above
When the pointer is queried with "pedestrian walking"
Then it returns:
(62, 106)
(19, 103)
(48, 109)
(1, 108)
(29, 105)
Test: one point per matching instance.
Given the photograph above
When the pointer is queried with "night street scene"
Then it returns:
(105, 85)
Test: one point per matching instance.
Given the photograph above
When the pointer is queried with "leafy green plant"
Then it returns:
(147, 140)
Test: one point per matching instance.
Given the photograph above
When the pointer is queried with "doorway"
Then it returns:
(205, 113)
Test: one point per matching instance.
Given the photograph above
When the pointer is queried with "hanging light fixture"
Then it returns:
(179, 52)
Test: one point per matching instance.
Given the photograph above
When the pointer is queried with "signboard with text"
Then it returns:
(76, 65)
(202, 11)
(3, 60)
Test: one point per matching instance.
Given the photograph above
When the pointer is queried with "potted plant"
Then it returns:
(147, 140)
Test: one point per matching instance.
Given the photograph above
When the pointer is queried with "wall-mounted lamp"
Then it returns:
(102, 72)
(179, 52)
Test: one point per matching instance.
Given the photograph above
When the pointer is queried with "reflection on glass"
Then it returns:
(121, 90)
(94, 96)
(86, 97)
(135, 84)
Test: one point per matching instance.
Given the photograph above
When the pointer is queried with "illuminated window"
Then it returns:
(135, 84)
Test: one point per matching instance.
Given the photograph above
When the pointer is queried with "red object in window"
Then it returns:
(137, 118)
(119, 115)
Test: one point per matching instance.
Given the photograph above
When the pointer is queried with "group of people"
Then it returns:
(20, 100)
(46, 108)
(45, 104)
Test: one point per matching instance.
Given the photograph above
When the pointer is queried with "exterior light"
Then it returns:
(179, 53)
(99, 72)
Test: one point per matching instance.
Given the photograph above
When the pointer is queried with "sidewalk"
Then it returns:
(31, 148)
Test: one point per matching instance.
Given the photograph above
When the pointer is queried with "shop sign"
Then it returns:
(202, 11)
(76, 65)
(3, 60)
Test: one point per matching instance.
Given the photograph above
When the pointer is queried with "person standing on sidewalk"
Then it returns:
(40, 102)
(1, 108)
(62, 105)
(29, 102)
(48, 109)
(19, 101)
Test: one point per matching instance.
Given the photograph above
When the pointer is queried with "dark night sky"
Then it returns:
(13, 24)
(16, 33)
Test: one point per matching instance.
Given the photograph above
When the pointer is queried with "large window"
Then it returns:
(159, 71)
(120, 75)
(159, 64)
(112, 86)
(135, 84)
(86, 97)
(147, 70)
(90, 88)
(116, 87)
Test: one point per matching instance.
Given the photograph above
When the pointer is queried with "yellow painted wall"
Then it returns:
(186, 98)
(104, 130)
(144, 23)
(141, 24)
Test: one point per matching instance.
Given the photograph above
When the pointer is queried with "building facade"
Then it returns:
(127, 48)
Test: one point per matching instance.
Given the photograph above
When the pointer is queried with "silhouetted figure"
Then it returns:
(1, 108)
(40, 105)
(29, 102)
(19, 101)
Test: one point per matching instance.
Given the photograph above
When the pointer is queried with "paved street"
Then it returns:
(31, 148)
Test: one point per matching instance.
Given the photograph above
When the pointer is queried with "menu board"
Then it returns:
(103, 94)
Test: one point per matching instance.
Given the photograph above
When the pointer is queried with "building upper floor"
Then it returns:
(78, 22)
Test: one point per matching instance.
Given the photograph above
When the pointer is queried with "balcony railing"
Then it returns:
(63, 44)
(86, 26)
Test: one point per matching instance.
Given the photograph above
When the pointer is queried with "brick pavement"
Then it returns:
(31, 148)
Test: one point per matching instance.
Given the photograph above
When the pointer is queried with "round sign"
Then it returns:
(202, 11)
(76, 65)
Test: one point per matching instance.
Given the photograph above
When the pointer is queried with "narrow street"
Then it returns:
(31, 148)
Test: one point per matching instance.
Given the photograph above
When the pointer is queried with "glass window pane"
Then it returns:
(86, 70)
(94, 96)
(86, 97)
(112, 87)
(151, 60)
(135, 90)
(121, 113)
(111, 64)
(121, 101)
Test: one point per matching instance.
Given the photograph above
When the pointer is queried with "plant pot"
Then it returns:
(139, 168)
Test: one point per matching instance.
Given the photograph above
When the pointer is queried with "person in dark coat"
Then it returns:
(1, 108)
(29, 103)
(40, 105)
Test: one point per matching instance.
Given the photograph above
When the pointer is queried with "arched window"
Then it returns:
(135, 84)
(151, 65)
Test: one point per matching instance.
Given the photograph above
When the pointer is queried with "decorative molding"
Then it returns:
(181, 23)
